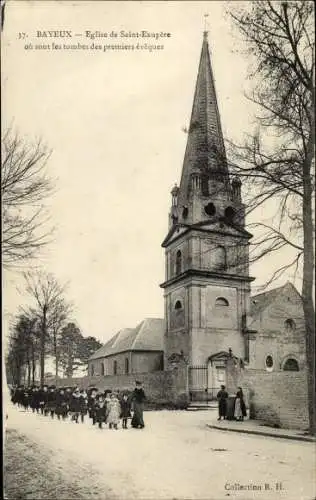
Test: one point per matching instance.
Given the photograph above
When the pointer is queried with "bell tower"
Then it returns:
(207, 282)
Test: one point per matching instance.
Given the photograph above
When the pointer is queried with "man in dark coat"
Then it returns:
(138, 398)
(222, 396)
(61, 404)
(51, 403)
(35, 399)
(92, 399)
(75, 405)
(26, 397)
(83, 398)
(43, 399)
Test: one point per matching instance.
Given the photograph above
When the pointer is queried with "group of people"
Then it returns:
(238, 412)
(102, 407)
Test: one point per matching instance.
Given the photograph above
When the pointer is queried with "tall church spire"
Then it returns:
(205, 152)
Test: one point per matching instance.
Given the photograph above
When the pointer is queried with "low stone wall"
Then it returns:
(162, 388)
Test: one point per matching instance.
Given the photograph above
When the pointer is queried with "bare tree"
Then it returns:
(277, 162)
(57, 321)
(48, 296)
(22, 346)
(24, 186)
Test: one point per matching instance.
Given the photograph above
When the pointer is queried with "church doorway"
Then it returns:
(217, 373)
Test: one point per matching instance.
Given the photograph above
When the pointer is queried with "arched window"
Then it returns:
(219, 258)
(291, 365)
(269, 363)
(221, 302)
(185, 212)
(102, 368)
(92, 370)
(178, 305)
(178, 262)
(126, 365)
(229, 214)
(289, 324)
(115, 367)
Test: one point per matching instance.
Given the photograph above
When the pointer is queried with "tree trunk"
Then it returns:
(308, 281)
(17, 374)
(28, 371)
(56, 355)
(42, 349)
(33, 365)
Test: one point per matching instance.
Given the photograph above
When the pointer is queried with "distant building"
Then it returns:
(131, 350)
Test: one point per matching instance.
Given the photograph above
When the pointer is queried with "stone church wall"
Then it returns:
(277, 398)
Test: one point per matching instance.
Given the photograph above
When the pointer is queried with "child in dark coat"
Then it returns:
(92, 400)
(61, 405)
(83, 404)
(125, 410)
(100, 410)
(75, 405)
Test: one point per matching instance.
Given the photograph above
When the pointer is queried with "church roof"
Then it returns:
(205, 151)
(261, 301)
(147, 336)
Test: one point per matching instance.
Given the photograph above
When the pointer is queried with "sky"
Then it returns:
(114, 121)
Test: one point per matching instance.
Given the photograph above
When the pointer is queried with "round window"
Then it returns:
(210, 209)
(269, 363)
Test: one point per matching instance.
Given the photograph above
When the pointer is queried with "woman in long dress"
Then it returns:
(138, 398)
(240, 407)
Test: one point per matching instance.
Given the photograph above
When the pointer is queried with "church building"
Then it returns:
(207, 285)
(214, 332)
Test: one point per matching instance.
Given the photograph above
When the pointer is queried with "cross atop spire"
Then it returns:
(205, 26)
(205, 151)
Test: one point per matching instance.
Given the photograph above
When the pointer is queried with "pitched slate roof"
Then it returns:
(261, 301)
(147, 336)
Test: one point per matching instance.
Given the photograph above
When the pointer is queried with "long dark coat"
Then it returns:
(61, 404)
(75, 403)
(222, 403)
(92, 401)
(138, 398)
(83, 401)
(51, 401)
(43, 397)
(125, 408)
(100, 411)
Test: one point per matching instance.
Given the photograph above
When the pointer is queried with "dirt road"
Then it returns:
(175, 457)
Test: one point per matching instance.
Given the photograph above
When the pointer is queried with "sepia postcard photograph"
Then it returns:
(158, 254)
